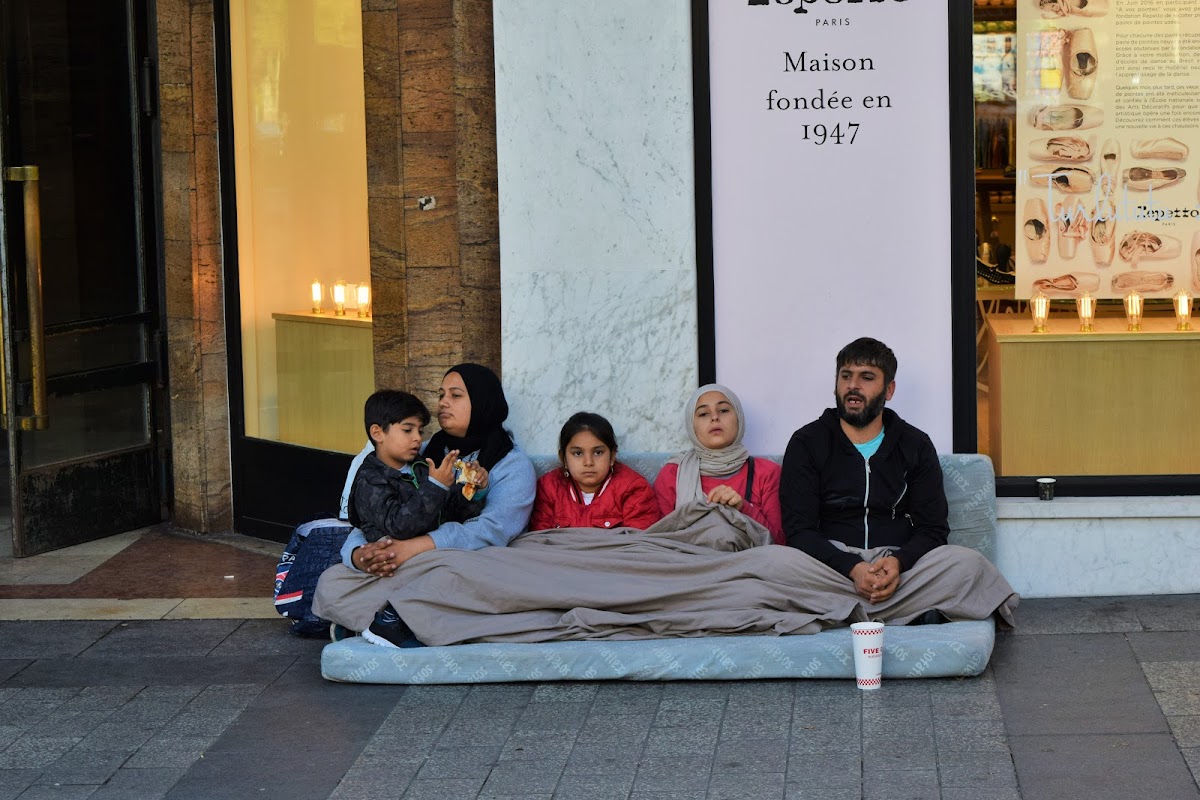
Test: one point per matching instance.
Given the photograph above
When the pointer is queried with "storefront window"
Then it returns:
(301, 187)
(1085, 120)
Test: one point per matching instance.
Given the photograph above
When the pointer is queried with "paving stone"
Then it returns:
(15, 781)
(452, 763)
(367, 785)
(746, 786)
(1101, 767)
(161, 671)
(11, 666)
(24, 708)
(825, 770)
(760, 756)
(177, 637)
(604, 758)
(170, 752)
(9, 734)
(973, 793)
(83, 767)
(443, 790)
(627, 698)
(845, 736)
(305, 773)
(696, 690)
(701, 794)
(691, 741)
(1071, 685)
(1186, 730)
(532, 746)
(688, 774)
(970, 735)
(921, 784)
(479, 733)
(1165, 646)
(885, 722)
(74, 792)
(269, 637)
(594, 787)
(37, 639)
(977, 706)
(1177, 612)
(767, 728)
(564, 693)
(563, 719)
(984, 682)
(1192, 756)
(1073, 615)
(830, 690)
(615, 727)
(523, 778)
(897, 694)
(35, 752)
(977, 770)
(795, 791)
(898, 753)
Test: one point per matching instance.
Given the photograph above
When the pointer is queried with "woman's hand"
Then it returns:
(725, 496)
(443, 473)
(383, 557)
(481, 477)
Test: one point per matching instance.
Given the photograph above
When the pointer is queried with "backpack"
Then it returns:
(314, 547)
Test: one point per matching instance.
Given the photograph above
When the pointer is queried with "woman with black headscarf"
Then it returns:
(471, 410)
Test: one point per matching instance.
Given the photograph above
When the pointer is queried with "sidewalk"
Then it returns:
(1090, 698)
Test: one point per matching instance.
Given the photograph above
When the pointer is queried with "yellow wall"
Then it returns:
(301, 167)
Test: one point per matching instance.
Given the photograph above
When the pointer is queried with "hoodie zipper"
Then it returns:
(866, 501)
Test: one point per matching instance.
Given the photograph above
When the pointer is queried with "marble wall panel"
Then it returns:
(597, 217)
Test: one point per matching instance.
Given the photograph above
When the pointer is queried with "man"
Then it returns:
(861, 492)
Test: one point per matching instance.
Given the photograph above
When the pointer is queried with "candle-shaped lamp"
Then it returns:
(1085, 304)
(1183, 311)
(317, 291)
(339, 298)
(364, 300)
(1133, 310)
(1039, 309)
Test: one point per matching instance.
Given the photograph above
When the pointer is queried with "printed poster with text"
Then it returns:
(831, 203)
(1108, 134)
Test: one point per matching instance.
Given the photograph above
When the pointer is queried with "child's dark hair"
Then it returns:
(594, 424)
(388, 406)
(866, 352)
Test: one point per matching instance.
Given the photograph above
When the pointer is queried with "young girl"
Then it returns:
(592, 490)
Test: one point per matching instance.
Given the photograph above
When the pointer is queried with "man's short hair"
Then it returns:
(867, 352)
(388, 406)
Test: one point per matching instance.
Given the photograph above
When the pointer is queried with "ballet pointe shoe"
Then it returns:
(1073, 180)
(1081, 64)
(1103, 234)
(1066, 117)
(1139, 246)
(1164, 148)
(1037, 230)
(1142, 281)
(1081, 8)
(1110, 161)
(1144, 179)
(1071, 219)
(1072, 284)
(1060, 148)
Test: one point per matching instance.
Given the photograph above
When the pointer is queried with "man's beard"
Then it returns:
(863, 418)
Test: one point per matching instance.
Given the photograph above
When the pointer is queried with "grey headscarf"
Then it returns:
(701, 461)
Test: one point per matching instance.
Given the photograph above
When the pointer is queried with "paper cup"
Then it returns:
(868, 654)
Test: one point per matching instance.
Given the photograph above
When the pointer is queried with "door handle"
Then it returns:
(28, 175)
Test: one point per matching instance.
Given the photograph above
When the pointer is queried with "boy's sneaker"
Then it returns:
(388, 630)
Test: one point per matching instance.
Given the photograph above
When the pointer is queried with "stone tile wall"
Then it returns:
(196, 360)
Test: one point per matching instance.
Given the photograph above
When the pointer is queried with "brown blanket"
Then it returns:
(701, 571)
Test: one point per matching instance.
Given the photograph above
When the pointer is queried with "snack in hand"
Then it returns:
(470, 474)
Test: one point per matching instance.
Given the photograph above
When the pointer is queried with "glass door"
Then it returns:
(82, 373)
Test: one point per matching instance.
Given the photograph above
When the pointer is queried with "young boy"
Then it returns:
(395, 493)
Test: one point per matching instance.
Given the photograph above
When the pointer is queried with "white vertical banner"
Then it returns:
(831, 203)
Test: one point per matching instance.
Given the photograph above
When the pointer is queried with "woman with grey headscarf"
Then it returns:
(718, 469)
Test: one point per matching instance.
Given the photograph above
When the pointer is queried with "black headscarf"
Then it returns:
(489, 409)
